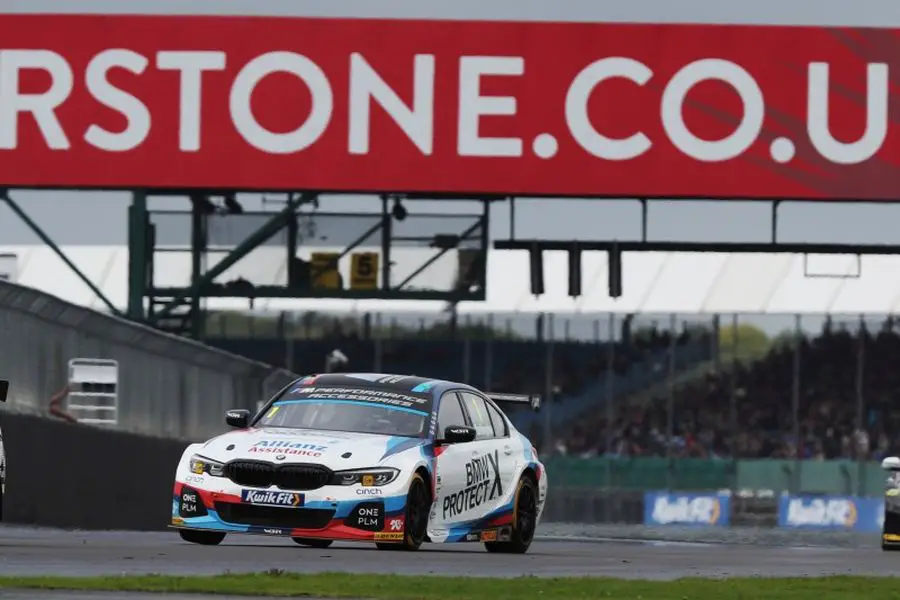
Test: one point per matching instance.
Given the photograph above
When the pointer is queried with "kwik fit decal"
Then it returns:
(270, 498)
(483, 484)
(287, 447)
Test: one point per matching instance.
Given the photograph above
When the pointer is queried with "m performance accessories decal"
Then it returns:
(269, 498)
(360, 395)
(526, 108)
(483, 484)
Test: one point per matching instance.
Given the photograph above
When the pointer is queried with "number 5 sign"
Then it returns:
(364, 271)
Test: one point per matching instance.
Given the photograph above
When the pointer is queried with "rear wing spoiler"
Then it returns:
(532, 400)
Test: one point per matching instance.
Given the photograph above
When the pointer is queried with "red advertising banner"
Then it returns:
(536, 108)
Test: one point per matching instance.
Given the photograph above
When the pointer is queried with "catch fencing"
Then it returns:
(168, 386)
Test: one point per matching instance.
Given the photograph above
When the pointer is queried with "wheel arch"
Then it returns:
(530, 473)
(422, 470)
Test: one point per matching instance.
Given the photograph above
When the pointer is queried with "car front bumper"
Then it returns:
(331, 512)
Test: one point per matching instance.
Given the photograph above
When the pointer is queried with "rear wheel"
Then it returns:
(418, 506)
(204, 538)
(524, 520)
(312, 543)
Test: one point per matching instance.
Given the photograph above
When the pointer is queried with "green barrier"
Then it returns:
(837, 477)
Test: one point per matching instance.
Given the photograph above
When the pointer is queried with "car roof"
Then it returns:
(386, 381)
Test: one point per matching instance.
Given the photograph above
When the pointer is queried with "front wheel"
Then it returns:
(418, 506)
(204, 538)
(312, 543)
(524, 520)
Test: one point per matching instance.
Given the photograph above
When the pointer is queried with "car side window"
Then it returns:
(450, 413)
(500, 427)
(478, 413)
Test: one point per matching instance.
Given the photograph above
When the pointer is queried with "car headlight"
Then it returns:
(200, 465)
(366, 477)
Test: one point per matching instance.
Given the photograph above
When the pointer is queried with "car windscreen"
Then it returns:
(358, 410)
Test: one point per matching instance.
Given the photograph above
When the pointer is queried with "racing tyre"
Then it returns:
(312, 543)
(204, 538)
(418, 506)
(524, 520)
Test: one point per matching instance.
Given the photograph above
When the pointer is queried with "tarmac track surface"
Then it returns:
(49, 552)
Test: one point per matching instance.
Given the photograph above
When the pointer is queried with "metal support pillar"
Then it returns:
(485, 243)
(198, 262)
(386, 237)
(292, 235)
(138, 248)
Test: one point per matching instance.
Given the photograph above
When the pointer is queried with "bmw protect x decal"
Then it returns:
(483, 484)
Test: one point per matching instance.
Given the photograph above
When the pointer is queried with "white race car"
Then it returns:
(4, 392)
(391, 459)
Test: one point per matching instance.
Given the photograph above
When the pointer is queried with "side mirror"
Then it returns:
(458, 434)
(237, 418)
(891, 463)
(4, 389)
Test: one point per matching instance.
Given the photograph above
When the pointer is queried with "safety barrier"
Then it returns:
(718, 509)
(847, 513)
(167, 385)
(77, 476)
(816, 477)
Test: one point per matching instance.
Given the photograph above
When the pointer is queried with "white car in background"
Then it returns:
(4, 393)
(369, 457)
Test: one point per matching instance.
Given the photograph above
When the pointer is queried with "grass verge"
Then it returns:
(398, 587)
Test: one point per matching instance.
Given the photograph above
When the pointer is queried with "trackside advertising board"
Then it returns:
(831, 512)
(458, 106)
(701, 510)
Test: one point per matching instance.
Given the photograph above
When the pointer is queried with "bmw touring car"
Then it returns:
(4, 392)
(391, 459)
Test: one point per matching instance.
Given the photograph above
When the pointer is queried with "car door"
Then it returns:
(489, 461)
(449, 468)
(512, 449)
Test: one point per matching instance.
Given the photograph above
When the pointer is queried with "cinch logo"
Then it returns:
(837, 512)
(695, 511)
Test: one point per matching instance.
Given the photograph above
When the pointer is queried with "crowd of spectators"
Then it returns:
(476, 356)
(830, 396)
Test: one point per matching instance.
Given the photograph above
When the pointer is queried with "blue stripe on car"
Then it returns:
(398, 444)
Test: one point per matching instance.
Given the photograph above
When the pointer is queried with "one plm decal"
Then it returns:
(483, 484)
(270, 498)
(368, 516)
